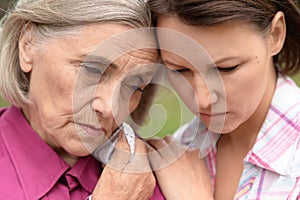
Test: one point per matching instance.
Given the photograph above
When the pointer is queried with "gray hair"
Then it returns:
(55, 18)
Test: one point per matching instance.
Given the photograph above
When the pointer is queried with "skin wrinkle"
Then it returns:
(58, 126)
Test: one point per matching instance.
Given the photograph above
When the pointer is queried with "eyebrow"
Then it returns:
(166, 62)
(221, 60)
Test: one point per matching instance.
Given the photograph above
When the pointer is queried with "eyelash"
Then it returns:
(227, 69)
(94, 70)
(136, 87)
(180, 70)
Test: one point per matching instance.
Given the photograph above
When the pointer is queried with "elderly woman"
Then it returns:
(72, 80)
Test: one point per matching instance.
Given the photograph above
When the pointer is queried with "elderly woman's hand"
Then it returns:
(180, 173)
(121, 179)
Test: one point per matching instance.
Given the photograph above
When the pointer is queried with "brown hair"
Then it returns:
(258, 12)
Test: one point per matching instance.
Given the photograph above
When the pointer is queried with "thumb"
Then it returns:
(121, 154)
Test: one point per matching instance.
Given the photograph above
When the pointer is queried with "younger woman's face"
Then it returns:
(242, 59)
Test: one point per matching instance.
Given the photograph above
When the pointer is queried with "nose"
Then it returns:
(105, 102)
(203, 93)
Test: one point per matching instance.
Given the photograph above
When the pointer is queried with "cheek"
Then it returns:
(245, 90)
(134, 101)
(51, 94)
(184, 87)
(126, 107)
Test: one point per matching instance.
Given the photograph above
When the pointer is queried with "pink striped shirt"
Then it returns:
(272, 166)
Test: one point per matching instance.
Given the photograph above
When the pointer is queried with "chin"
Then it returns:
(222, 128)
(79, 150)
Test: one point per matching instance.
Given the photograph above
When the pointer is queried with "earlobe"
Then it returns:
(25, 49)
(278, 32)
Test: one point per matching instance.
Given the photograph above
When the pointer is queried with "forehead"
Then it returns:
(218, 40)
(106, 40)
(139, 60)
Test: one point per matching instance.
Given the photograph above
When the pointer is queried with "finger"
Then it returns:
(122, 142)
(140, 158)
(138, 163)
(157, 143)
(175, 145)
(149, 146)
(104, 152)
(154, 156)
(159, 146)
(169, 138)
(121, 154)
(140, 145)
(195, 152)
(160, 155)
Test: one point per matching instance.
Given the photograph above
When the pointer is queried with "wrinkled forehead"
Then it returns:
(139, 43)
(138, 60)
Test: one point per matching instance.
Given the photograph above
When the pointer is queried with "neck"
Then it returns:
(31, 118)
(68, 158)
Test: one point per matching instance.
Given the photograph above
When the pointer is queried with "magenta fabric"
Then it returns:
(157, 194)
(30, 169)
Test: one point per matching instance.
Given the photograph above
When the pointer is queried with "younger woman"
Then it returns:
(254, 46)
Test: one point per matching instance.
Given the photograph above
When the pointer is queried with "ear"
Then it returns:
(278, 32)
(26, 48)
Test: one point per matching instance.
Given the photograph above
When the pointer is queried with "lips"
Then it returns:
(213, 118)
(91, 131)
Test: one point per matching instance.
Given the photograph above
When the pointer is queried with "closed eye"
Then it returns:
(92, 68)
(133, 84)
(175, 68)
(227, 69)
(180, 70)
(136, 87)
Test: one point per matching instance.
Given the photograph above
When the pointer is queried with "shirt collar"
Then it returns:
(196, 135)
(32, 157)
(87, 170)
(278, 142)
(277, 146)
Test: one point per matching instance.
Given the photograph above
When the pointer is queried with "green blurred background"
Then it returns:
(3, 7)
(168, 112)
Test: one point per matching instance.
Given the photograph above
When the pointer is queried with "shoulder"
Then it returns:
(2, 111)
(187, 132)
(286, 102)
(196, 135)
(287, 94)
(9, 181)
(284, 120)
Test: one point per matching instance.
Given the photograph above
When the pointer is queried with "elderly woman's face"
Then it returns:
(79, 93)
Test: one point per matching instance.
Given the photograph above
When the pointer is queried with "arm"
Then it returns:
(180, 172)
